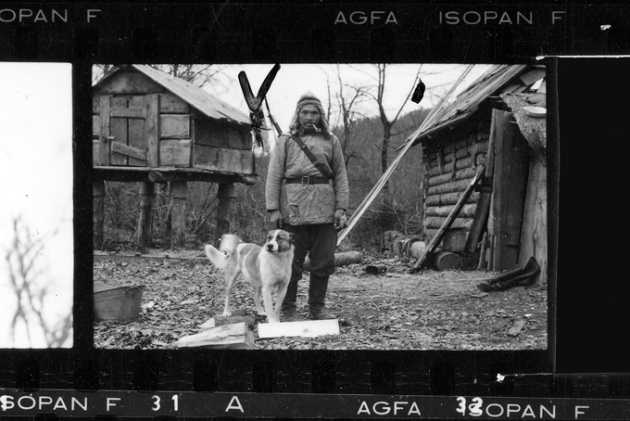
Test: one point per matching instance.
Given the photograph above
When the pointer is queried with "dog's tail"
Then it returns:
(217, 257)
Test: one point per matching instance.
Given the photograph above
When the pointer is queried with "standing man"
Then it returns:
(308, 197)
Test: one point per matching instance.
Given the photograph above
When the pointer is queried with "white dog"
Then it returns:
(264, 267)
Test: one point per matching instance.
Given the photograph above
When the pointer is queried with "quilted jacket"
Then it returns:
(306, 204)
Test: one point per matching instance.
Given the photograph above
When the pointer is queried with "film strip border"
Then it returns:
(304, 34)
(403, 373)
(309, 32)
(175, 404)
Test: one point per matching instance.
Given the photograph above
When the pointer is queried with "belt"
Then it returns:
(306, 180)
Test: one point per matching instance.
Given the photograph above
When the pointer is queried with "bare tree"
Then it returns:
(347, 98)
(387, 122)
(28, 279)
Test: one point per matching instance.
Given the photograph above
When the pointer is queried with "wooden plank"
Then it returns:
(309, 329)
(152, 129)
(175, 152)
(118, 130)
(510, 181)
(220, 134)
(449, 221)
(221, 159)
(129, 151)
(137, 101)
(96, 126)
(137, 139)
(96, 145)
(105, 130)
(127, 112)
(174, 126)
(233, 334)
(222, 320)
(534, 233)
(172, 104)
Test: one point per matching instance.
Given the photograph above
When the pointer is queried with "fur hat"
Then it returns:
(308, 98)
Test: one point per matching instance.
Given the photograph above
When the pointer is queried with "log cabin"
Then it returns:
(150, 127)
(505, 218)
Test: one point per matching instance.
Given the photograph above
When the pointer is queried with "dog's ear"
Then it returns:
(291, 237)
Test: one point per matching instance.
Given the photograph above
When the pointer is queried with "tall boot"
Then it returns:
(511, 278)
(317, 288)
(289, 309)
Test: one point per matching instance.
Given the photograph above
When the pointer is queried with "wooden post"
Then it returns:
(511, 165)
(103, 149)
(179, 193)
(534, 234)
(152, 125)
(98, 195)
(483, 204)
(145, 223)
(227, 192)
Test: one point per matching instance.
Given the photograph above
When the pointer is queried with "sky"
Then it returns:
(293, 80)
(36, 174)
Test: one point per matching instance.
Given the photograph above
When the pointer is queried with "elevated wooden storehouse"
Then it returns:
(155, 128)
(487, 125)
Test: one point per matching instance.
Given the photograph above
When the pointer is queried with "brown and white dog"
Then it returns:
(264, 267)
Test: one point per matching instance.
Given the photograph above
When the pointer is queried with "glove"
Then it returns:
(340, 219)
(275, 219)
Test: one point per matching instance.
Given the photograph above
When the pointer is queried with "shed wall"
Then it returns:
(450, 164)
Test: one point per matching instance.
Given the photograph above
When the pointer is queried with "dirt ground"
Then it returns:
(429, 310)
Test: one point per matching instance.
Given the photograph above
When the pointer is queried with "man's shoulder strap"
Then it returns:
(318, 164)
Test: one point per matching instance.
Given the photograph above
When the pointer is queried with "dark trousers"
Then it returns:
(319, 242)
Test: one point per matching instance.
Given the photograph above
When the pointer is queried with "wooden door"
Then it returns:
(127, 131)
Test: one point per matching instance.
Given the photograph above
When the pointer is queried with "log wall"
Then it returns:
(450, 163)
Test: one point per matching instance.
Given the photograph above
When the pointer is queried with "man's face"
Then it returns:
(309, 115)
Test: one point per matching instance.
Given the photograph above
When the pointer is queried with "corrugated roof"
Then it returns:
(491, 82)
(203, 101)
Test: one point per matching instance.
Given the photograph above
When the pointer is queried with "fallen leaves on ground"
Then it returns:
(428, 310)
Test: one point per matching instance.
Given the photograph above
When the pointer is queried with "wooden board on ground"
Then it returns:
(308, 329)
(222, 320)
(228, 336)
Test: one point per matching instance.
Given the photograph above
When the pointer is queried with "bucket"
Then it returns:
(229, 242)
(118, 303)
(455, 240)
